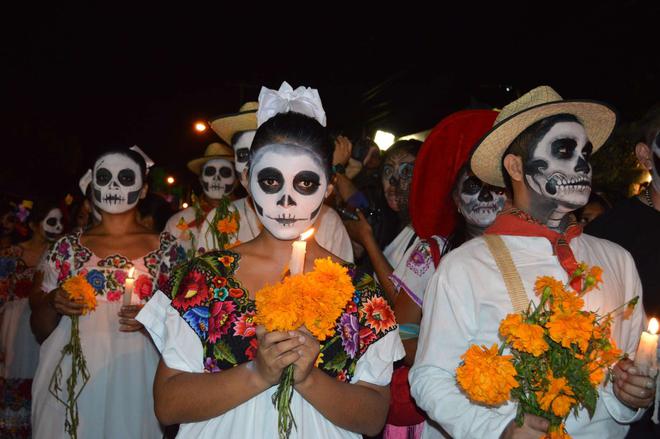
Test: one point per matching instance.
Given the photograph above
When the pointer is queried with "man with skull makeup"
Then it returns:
(121, 359)
(210, 222)
(19, 351)
(540, 146)
(238, 130)
(232, 385)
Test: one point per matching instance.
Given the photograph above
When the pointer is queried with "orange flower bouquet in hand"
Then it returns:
(80, 291)
(314, 300)
(559, 354)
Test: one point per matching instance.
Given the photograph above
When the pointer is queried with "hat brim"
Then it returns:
(597, 118)
(228, 125)
(196, 165)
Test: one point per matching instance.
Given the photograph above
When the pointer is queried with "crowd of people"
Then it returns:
(417, 226)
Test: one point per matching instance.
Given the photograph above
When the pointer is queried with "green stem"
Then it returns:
(282, 402)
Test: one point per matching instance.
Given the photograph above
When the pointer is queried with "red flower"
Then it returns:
(219, 282)
(236, 292)
(341, 376)
(251, 351)
(143, 286)
(114, 296)
(221, 319)
(351, 307)
(244, 326)
(64, 268)
(366, 337)
(162, 281)
(192, 292)
(379, 314)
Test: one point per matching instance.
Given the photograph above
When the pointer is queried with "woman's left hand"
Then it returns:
(309, 352)
(127, 322)
(359, 230)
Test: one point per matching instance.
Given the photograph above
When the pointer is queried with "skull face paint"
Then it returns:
(117, 183)
(396, 178)
(479, 203)
(655, 172)
(52, 225)
(288, 184)
(242, 147)
(217, 178)
(558, 169)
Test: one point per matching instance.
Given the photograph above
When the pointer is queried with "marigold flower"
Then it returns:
(523, 336)
(558, 396)
(568, 328)
(547, 282)
(227, 225)
(566, 301)
(81, 291)
(485, 376)
(556, 433)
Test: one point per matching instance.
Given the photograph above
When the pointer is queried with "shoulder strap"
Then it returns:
(511, 277)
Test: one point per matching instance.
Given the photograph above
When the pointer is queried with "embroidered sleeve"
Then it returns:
(64, 260)
(160, 263)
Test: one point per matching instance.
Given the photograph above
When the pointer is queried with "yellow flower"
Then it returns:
(485, 376)
(558, 396)
(182, 225)
(566, 301)
(319, 360)
(523, 336)
(227, 225)
(568, 328)
(556, 433)
(543, 282)
(81, 292)
(593, 278)
(233, 244)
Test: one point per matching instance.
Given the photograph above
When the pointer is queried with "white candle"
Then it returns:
(299, 248)
(128, 287)
(647, 351)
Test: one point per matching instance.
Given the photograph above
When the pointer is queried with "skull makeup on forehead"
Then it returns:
(479, 203)
(52, 224)
(288, 184)
(241, 147)
(117, 183)
(217, 178)
(655, 172)
(558, 168)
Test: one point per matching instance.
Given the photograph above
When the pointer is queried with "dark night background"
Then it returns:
(76, 81)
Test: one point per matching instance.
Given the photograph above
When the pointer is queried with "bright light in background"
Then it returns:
(384, 139)
(184, 205)
(200, 127)
(170, 180)
(646, 177)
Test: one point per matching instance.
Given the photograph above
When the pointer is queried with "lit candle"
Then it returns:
(646, 357)
(297, 262)
(128, 287)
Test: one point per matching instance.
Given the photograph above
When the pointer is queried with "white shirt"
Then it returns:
(464, 303)
(331, 233)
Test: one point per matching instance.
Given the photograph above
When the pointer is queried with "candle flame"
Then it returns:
(307, 234)
(653, 326)
(130, 272)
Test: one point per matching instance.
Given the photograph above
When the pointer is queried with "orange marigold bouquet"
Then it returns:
(81, 291)
(314, 300)
(559, 354)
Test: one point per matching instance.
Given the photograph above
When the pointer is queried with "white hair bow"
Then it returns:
(147, 159)
(303, 100)
(84, 181)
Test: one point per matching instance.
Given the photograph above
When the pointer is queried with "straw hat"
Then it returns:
(213, 151)
(597, 118)
(229, 124)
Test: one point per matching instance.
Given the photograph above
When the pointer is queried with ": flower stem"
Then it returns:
(282, 402)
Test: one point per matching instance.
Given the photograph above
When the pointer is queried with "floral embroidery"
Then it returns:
(96, 280)
(115, 261)
(208, 297)
(15, 275)
(143, 287)
(420, 259)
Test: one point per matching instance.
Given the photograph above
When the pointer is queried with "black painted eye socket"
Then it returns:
(587, 150)
(103, 176)
(209, 171)
(563, 148)
(270, 180)
(225, 172)
(406, 170)
(242, 155)
(388, 170)
(306, 182)
(51, 222)
(126, 177)
(471, 186)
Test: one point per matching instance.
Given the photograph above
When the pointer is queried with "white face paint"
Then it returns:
(242, 153)
(655, 171)
(52, 225)
(217, 178)
(558, 168)
(479, 203)
(117, 182)
(288, 184)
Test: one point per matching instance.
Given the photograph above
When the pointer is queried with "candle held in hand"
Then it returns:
(128, 287)
(299, 248)
(646, 357)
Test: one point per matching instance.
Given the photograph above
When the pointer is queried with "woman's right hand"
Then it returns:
(276, 350)
(64, 305)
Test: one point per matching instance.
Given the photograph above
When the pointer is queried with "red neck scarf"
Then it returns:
(515, 222)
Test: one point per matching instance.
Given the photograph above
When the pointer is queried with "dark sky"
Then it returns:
(77, 81)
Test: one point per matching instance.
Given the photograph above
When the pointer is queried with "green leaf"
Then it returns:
(337, 363)
(222, 352)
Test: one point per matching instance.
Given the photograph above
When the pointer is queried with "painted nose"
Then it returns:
(286, 201)
(394, 181)
(114, 185)
(582, 166)
(485, 195)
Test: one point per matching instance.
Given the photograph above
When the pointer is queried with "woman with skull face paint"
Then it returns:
(289, 177)
(19, 351)
(117, 401)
